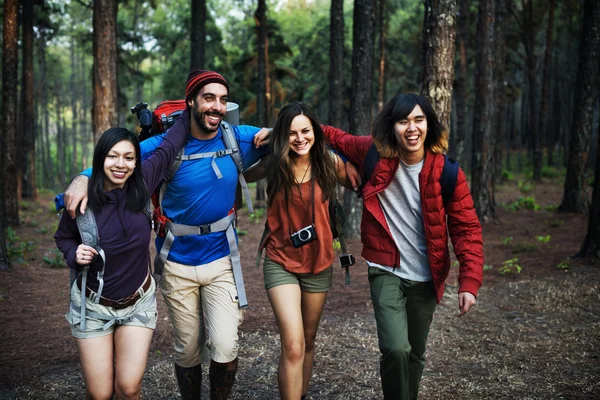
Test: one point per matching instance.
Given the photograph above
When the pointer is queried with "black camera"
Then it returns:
(347, 260)
(304, 236)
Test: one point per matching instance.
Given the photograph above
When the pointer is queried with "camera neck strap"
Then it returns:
(312, 200)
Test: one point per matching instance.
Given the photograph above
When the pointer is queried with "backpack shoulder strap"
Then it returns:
(88, 229)
(371, 160)
(448, 178)
(231, 143)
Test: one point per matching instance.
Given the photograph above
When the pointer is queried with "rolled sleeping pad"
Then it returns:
(232, 114)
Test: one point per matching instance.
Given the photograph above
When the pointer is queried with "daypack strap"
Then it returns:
(371, 159)
(226, 224)
(88, 230)
(261, 244)
(231, 143)
(448, 178)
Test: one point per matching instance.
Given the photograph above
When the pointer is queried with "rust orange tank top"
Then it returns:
(313, 257)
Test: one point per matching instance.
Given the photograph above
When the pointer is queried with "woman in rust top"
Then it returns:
(302, 174)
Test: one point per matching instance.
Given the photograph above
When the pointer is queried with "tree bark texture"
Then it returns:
(8, 169)
(460, 92)
(336, 63)
(104, 100)
(529, 33)
(591, 244)
(28, 181)
(198, 34)
(586, 92)
(262, 95)
(483, 112)
(86, 136)
(60, 138)
(4, 261)
(74, 111)
(501, 97)
(439, 32)
(382, 37)
(362, 97)
(545, 97)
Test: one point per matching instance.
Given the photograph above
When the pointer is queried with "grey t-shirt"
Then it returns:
(401, 204)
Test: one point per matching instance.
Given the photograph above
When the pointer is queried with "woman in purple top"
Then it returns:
(119, 314)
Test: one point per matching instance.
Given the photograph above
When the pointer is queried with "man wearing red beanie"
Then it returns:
(197, 281)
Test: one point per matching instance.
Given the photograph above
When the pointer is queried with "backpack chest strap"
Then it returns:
(213, 155)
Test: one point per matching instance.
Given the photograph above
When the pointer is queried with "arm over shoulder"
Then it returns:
(353, 147)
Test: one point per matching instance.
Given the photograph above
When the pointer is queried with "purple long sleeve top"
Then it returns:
(124, 235)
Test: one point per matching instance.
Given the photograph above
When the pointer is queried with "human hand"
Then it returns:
(76, 193)
(353, 176)
(262, 137)
(466, 300)
(85, 254)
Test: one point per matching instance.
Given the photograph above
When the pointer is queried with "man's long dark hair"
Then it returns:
(280, 168)
(399, 107)
(137, 192)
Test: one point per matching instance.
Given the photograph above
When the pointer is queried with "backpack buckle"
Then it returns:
(204, 229)
(220, 153)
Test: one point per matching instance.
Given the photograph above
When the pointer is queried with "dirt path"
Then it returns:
(534, 335)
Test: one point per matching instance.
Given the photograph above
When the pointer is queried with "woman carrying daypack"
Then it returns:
(302, 174)
(119, 305)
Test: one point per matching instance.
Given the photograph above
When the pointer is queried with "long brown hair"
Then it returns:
(399, 107)
(280, 167)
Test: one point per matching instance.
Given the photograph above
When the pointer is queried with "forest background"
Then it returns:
(516, 82)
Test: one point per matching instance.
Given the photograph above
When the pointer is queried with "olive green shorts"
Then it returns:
(276, 275)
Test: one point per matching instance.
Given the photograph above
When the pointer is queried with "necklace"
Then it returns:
(304, 176)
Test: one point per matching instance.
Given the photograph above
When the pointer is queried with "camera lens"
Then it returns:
(304, 235)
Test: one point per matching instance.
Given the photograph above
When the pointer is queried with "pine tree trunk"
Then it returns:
(262, 98)
(361, 100)
(74, 111)
(86, 134)
(460, 90)
(8, 140)
(586, 90)
(60, 139)
(382, 31)
(336, 63)
(591, 244)
(529, 33)
(439, 31)
(104, 101)
(483, 112)
(198, 34)
(501, 98)
(4, 261)
(543, 134)
(28, 180)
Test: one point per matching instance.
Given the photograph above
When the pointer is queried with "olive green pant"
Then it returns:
(403, 312)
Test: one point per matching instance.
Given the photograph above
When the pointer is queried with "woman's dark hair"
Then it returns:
(399, 107)
(280, 171)
(137, 192)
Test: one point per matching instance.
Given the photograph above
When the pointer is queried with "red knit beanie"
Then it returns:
(198, 78)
